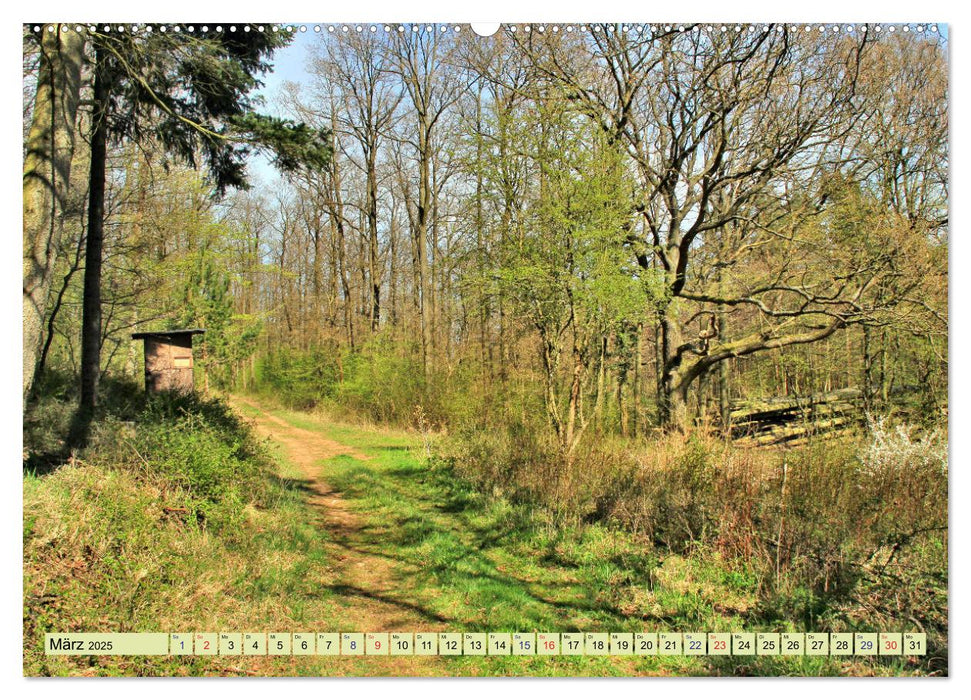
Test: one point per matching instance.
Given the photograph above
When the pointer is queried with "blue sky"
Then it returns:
(289, 65)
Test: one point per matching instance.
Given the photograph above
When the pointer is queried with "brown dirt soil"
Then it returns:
(371, 598)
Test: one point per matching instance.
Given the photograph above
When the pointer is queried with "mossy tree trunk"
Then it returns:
(47, 169)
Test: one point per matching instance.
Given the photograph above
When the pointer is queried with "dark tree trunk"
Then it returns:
(91, 318)
(55, 309)
(672, 404)
(374, 266)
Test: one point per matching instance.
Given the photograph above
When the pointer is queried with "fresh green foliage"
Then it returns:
(379, 382)
(207, 303)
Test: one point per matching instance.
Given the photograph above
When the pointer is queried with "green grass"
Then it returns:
(115, 545)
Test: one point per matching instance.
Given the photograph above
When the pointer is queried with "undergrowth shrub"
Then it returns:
(196, 450)
(300, 378)
(383, 382)
(853, 527)
(170, 519)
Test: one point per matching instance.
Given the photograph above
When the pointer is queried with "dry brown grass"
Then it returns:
(834, 527)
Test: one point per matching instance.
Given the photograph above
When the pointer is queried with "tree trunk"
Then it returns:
(673, 404)
(724, 397)
(598, 404)
(884, 377)
(869, 387)
(550, 364)
(421, 245)
(571, 433)
(91, 316)
(56, 308)
(622, 403)
(575, 420)
(337, 219)
(393, 269)
(638, 379)
(724, 390)
(372, 223)
(47, 169)
(483, 313)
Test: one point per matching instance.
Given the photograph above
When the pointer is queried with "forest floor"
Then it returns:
(412, 550)
(370, 597)
(358, 529)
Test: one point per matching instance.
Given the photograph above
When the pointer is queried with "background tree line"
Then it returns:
(597, 231)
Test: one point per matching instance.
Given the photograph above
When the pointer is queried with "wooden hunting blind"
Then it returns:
(168, 359)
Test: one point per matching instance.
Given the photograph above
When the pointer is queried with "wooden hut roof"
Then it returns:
(167, 334)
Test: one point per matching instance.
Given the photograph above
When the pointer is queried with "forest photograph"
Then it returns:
(375, 336)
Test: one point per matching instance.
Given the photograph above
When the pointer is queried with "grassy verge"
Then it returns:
(174, 519)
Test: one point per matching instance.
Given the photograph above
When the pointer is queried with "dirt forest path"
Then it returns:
(407, 547)
(369, 593)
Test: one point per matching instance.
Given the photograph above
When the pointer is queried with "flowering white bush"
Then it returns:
(893, 450)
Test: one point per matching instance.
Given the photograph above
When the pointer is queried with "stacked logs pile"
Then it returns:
(791, 419)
